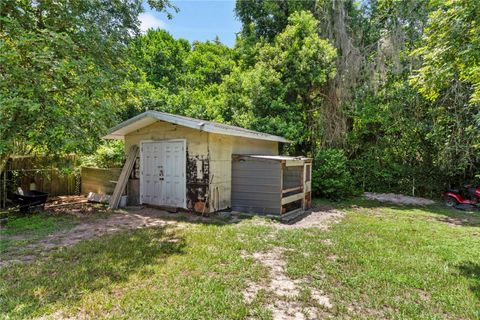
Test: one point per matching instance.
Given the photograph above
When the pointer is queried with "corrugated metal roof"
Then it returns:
(287, 159)
(276, 157)
(149, 117)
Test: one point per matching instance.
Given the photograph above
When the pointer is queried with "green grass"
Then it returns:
(196, 273)
(396, 262)
(390, 262)
(27, 229)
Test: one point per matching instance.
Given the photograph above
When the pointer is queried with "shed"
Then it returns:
(185, 162)
(271, 185)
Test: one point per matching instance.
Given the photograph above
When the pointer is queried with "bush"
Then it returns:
(330, 175)
(108, 155)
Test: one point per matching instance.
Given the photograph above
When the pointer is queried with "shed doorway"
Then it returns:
(162, 173)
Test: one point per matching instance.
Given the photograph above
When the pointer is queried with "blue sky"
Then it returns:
(197, 20)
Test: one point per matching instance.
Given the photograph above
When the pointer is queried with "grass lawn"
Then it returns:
(380, 261)
(24, 230)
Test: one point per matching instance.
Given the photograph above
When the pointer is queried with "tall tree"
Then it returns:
(340, 21)
(185, 75)
(283, 92)
(162, 58)
(449, 77)
(61, 64)
(267, 18)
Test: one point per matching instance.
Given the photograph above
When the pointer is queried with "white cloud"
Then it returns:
(149, 21)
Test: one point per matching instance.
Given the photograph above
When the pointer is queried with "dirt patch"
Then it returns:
(251, 291)
(286, 303)
(320, 217)
(63, 200)
(459, 221)
(398, 199)
(327, 242)
(114, 223)
(280, 284)
(89, 229)
(77, 206)
(92, 225)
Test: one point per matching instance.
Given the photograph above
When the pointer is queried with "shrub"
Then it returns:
(330, 175)
(108, 155)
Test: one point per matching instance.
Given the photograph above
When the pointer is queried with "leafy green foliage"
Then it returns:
(449, 77)
(330, 175)
(61, 64)
(369, 78)
(162, 58)
(110, 154)
(450, 51)
(266, 19)
(282, 92)
(389, 145)
(403, 130)
(179, 77)
(394, 84)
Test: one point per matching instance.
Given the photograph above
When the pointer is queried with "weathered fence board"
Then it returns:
(48, 180)
(99, 180)
(44, 172)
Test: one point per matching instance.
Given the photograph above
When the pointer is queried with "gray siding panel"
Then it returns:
(248, 188)
(256, 180)
(257, 210)
(256, 186)
(248, 201)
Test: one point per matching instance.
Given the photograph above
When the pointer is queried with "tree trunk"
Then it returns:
(3, 162)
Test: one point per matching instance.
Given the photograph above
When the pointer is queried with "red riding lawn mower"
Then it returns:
(467, 198)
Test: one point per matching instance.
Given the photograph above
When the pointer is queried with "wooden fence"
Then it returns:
(99, 180)
(52, 181)
(57, 176)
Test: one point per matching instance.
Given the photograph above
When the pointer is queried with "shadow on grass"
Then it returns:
(442, 213)
(471, 270)
(100, 264)
(181, 216)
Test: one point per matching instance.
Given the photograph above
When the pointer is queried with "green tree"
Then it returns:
(449, 77)
(283, 92)
(450, 51)
(61, 64)
(267, 18)
(330, 175)
(162, 58)
(185, 77)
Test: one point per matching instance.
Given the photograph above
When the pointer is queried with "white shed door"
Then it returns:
(163, 173)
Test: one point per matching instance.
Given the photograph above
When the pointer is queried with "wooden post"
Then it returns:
(304, 184)
(123, 179)
(4, 193)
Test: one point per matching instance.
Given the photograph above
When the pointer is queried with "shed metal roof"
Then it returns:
(276, 157)
(273, 158)
(149, 117)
